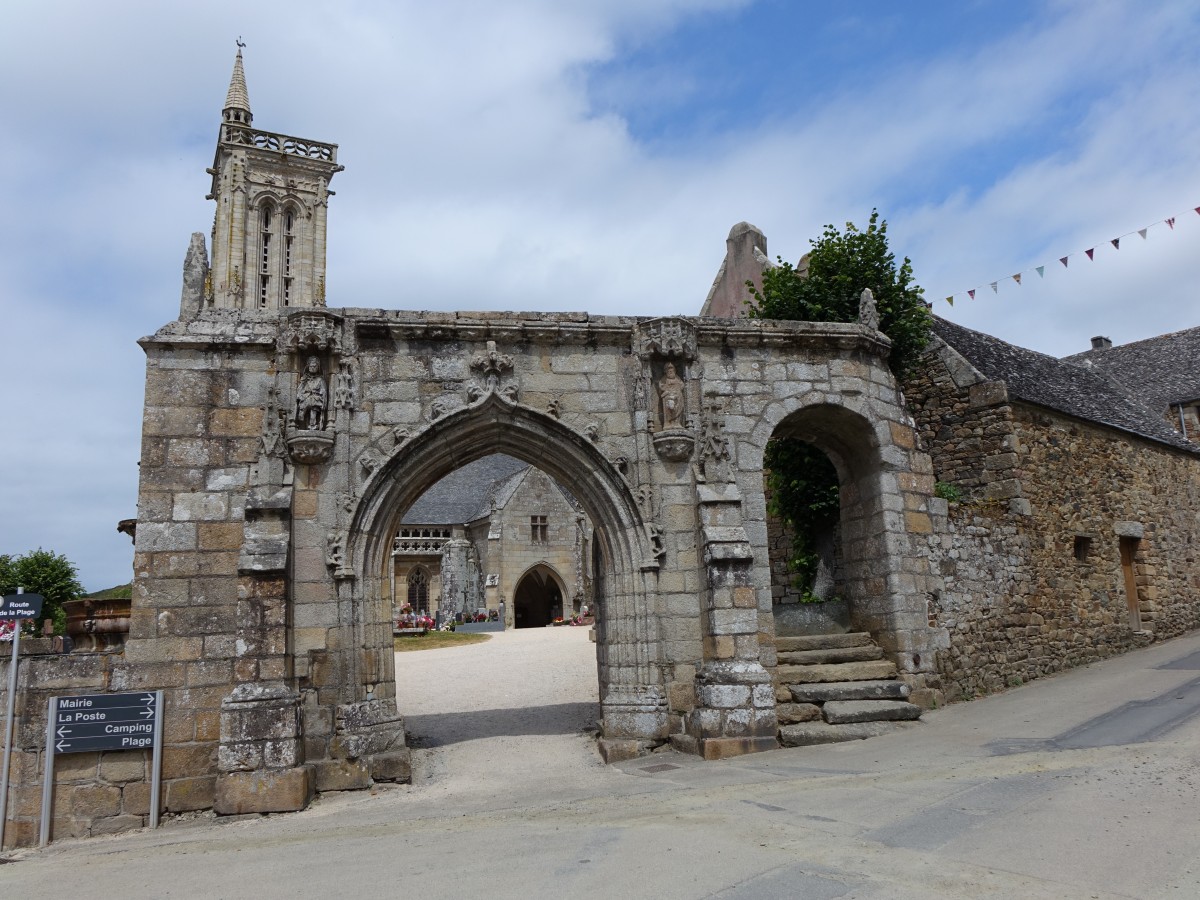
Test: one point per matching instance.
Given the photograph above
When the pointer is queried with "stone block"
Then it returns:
(713, 748)
(189, 760)
(849, 690)
(791, 713)
(723, 696)
(245, 422)
(187, 794)
(839, 712)
(288, 790)
(95, 801)
(116, 824)
(119, 766)
(855, 671)
(342, 775)
(809, 733)
(392, 766)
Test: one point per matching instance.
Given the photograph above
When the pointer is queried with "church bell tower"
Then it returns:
(272, 193)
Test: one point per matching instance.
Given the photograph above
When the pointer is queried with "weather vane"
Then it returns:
(239, 42)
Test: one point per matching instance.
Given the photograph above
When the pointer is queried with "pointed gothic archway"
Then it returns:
(630, 681)
(538, 600)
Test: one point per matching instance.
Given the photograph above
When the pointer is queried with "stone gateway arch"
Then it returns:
(283, 442)
(263, 543)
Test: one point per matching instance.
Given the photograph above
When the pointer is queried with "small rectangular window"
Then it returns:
(1083, 547)
(538, 529)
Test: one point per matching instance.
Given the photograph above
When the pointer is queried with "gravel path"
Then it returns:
(502, 716)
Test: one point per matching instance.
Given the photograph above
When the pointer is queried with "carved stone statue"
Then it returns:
(868, 312)
(670, 395)
(312, 397)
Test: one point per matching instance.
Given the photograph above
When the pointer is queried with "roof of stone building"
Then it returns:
(1063, 386)
(238, 97)
(1163, 370)
(465, 494)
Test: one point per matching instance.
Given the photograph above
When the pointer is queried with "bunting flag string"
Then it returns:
(1090, 253)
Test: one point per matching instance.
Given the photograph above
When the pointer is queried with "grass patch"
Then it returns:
(435, 639)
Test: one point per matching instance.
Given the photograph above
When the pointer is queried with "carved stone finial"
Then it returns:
(343, 389)
(716, 458)
(868, 312)
(196, 280)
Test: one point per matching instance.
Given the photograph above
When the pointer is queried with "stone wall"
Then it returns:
(1016, 601)
(95, 793)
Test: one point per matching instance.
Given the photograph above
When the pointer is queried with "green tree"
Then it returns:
(42, 572)
(826, 287)
(839, 266)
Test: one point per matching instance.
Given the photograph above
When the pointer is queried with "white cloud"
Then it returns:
(480, 175)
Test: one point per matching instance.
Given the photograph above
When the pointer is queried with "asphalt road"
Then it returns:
(1082, 785)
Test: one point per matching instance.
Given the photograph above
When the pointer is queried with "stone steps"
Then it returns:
(830, 655)
(823, 641)
(848, 671)
(837, 687)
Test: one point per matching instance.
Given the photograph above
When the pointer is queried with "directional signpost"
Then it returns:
(19, 606)
(91, 722)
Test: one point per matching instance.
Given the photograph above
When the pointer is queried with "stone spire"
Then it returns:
(237, 101)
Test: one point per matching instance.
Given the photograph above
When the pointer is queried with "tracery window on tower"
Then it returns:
(266, 222)
(289, 238)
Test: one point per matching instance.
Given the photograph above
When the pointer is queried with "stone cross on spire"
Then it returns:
(237, 101)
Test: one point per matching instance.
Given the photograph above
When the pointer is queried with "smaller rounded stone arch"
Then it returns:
(870, 444)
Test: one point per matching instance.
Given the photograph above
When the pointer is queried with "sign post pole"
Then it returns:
(19, 607)
(48, 774)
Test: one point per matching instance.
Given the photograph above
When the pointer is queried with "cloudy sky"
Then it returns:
(574, 155)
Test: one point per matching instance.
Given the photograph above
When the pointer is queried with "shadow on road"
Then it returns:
(440, 729)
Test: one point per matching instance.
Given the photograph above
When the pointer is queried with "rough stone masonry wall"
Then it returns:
(95, 793)
(1088, 480)
(200, 430)
(1016, 603)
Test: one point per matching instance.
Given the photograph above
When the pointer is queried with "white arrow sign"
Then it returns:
(62, 745)
(148, 713)
(63, 732)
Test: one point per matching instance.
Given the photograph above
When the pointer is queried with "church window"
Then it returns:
(418, 590)
(289, 238)
(266, 222)
(538, 529)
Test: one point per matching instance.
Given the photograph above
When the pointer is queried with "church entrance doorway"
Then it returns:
(538, 600)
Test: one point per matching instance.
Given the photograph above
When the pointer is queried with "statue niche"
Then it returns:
(311, 443)
(673, 440)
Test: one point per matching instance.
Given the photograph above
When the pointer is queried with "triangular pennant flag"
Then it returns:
(1116, 242)
(1198, 210)
(1142, 232)
(1170, 223)
(971, 293)
(950, 299)
(1017, 278)
(1041, 270)
(995, 290)
(1063, 260)
(1091, 253)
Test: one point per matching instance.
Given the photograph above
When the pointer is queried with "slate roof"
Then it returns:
(1067, 387)
(1163, 371)
(465, 494)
